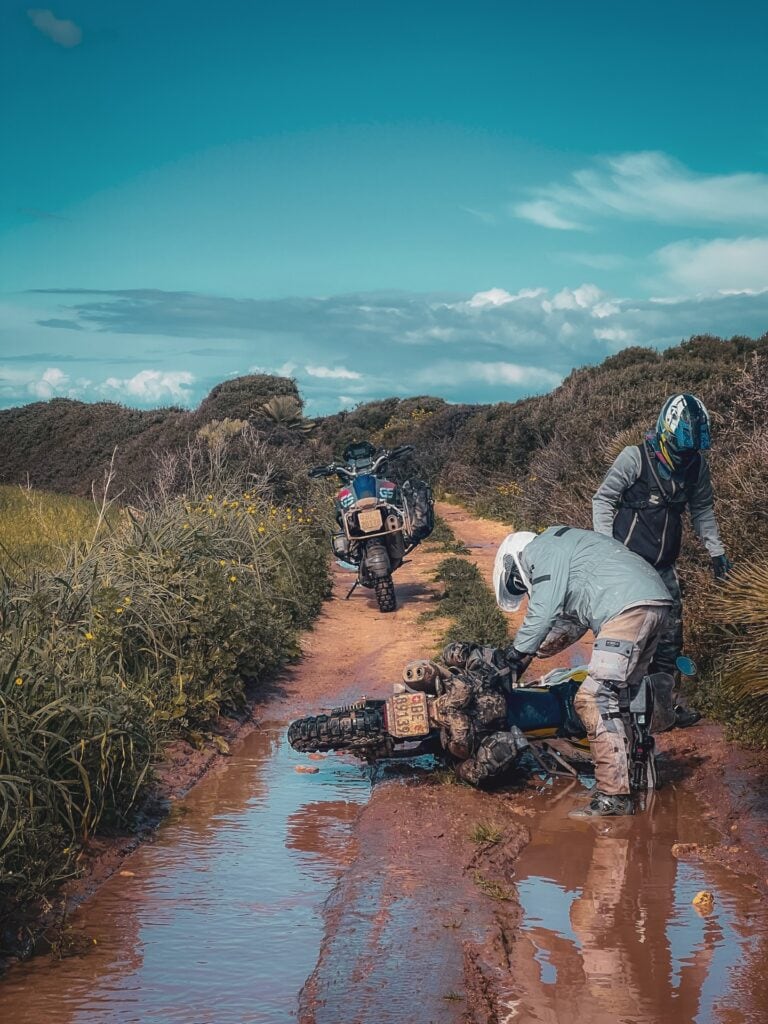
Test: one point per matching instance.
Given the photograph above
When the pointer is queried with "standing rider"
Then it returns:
(578, 580)
(641, 503)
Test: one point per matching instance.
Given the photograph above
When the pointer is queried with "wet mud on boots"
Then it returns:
(603, 805)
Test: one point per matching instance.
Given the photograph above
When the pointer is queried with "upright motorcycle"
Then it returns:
(379, 521)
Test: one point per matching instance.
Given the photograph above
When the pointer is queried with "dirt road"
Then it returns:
(274, 894)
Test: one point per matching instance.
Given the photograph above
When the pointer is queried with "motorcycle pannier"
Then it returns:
(420, 509)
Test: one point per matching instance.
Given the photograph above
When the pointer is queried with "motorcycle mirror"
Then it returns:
(686, 666)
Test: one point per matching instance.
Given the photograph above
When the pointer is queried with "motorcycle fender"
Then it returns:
(377, 560)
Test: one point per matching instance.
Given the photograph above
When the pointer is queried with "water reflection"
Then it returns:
(221, 921)
(609, 926)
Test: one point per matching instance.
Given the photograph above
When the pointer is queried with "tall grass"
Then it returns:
(36, 526)
(145, 631)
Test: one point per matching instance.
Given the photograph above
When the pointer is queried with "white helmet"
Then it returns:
(512, 545)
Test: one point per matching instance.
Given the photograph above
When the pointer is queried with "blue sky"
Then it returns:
(453, 198)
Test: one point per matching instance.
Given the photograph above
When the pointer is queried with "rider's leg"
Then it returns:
(496, 754)
(620, 658)
(671, 645)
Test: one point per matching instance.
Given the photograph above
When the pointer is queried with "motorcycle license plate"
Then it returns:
(407, 715)
(369, 520)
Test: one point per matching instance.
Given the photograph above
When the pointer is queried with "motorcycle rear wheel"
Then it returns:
(385, 594)
(358, 728)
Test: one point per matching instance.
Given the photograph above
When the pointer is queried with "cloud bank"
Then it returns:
(492, 345)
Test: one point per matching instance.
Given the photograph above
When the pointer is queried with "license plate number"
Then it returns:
(369, 520)
(407, 715)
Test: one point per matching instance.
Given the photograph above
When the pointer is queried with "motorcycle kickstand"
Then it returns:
(352, 589)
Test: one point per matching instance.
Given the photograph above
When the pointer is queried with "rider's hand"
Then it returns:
(517, 662)
(721, 567)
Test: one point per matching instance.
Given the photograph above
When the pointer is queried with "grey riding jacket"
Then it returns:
(583, 577)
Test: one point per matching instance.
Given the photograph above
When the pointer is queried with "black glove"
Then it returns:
(518, 663)
(720, 567)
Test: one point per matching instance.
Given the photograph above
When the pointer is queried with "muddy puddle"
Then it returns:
(609, 931)
(220, 921)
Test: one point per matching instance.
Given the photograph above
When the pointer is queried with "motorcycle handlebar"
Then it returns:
(400, 451)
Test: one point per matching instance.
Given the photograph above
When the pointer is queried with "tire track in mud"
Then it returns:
(412, 934)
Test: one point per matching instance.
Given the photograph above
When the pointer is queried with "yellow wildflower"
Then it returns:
(89, 636)
(233, 579)
(19, 681)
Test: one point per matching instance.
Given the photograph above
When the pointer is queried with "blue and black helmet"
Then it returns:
(683, 424)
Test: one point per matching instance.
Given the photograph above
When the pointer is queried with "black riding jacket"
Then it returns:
(640, 508)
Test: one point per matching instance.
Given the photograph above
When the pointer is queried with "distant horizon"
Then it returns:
(402, 397)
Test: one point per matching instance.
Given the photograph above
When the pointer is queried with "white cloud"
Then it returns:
(286, 370)
(718, 265)
(65, 33)
(153, 386)
(52, 382)
(451, 372)
(649, 186)
(500, 297)
(546, 214)
(333, 373)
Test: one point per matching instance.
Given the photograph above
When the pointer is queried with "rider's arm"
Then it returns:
(702, 509)
(549, 585)
(622, 474)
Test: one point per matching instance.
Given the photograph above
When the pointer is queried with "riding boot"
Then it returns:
(603, 805)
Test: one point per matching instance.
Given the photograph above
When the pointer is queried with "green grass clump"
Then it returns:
(443, 538)
(492, 889)
(470, 603)
(486, 832)
(143, 633)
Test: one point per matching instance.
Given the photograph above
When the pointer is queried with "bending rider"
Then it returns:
(577, 580)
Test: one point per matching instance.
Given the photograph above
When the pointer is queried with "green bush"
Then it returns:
(146, 633)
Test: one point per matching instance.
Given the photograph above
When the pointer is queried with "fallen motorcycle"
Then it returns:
(379, 521)
(535, 724)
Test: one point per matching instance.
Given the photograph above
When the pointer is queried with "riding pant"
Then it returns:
(621, 656)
